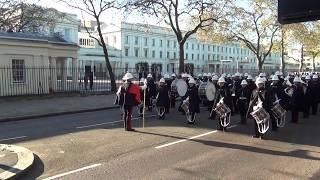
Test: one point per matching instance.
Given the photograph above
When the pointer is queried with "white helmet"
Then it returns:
(303, 76)
(149, 75)
(297, 79)
(315, 76)
(249, 77)
(166, 76)
(246, 74)
(209, 75)
(275, 78)
(260, 80)
(264, 79)
(199, 75)
(237, 74)
(204, 74)
(244, 82)
(308, 77)
(221, 79)
(142, 80)
(261, 75)
(192, 81)
(213, 74)
(127, 76)
(173, 75)
(215, 78)
(162, 80)
(184, 75)
(277, 73)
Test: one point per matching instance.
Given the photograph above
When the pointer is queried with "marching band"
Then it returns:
(263, 99)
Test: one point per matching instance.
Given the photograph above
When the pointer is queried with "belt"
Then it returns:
(242, 98)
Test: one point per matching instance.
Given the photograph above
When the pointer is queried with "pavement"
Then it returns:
(15, 160)
(21, 108)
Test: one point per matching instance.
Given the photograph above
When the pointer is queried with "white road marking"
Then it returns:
(7, 139)
(72, 172)
(112, 123)
(190, 138)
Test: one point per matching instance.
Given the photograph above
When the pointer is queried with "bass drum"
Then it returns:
(182, 87)
(210, 91)
(202, 89)
(174, 86)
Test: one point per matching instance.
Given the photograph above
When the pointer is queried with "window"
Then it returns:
(126, 52)
(208, 47)
(168, 55)
(174, 44)
(136, 40)
(146, 53)
(127, 40)
(213, 57)
(234, 50)
(208, 57)
(136, 52)
(230, 50)
(198, 57)
(202, 57)
(192, 46)
(18, 71)
(160, 54)
(213, 48)
(192, 56)
(168, 44)
(198, 46)
(218, 48)
(153, 54)
(187, 56)
(160, 43)
(187, 45)
(203, 47)
(237, 50)
(218, 57)
(174, 55)
(221, 49)
(153, 42)
(145, 41)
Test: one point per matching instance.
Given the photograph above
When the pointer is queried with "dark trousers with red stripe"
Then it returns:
(127, 115)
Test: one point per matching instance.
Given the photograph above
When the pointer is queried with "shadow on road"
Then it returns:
(35, 171)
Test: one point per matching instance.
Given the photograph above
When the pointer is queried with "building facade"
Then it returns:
(143, 48)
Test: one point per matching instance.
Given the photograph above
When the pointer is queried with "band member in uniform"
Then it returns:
(152, 91)
(308, 97)
(173, 94)
(315, 88)
(236, 86)
(222, 92)
(194, 100)
(297, 100)
(163, 101)
(128, 96)
(243, 101)
(260, 94)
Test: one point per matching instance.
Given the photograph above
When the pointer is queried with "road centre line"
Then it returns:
(13, 138)
(72, 172)
(190, 138)
(100, 124)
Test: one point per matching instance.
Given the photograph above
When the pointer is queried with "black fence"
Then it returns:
(21, 80)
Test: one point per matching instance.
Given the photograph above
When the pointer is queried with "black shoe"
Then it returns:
(255, 136)
(130, 129)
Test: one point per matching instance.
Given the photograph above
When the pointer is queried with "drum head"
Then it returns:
(210, 91)
(182, 87)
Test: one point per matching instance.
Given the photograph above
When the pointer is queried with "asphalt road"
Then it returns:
(95, 146)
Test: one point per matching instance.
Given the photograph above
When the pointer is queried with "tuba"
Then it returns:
(262, 117)
(224, 113)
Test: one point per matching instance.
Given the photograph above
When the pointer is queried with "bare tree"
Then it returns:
(18, 16)
(255, 26)
(175, 12)
(96, 8)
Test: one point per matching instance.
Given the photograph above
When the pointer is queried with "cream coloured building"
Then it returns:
(35, 64)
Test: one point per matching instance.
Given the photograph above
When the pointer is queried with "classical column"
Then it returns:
(53, 74)
(64, 70)
(75, 73)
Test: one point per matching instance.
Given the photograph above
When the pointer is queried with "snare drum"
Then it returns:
(260, 115)
(278, 111)
(222, 109)
(185, 106)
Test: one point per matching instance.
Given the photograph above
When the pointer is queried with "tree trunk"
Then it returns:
(313, 64)
(259, 64)
(282, 55)
(106, 56)
(181, 58)
(301, 59)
